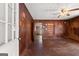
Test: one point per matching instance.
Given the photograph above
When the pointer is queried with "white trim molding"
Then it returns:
(6, 18)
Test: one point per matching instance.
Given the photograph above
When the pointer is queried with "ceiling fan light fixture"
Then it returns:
(64, 12)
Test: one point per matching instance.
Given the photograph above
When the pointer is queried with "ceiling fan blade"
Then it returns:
(74, 9)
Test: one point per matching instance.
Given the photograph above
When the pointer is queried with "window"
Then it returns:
(7, 23)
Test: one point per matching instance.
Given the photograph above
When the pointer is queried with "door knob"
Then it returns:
(19, 38)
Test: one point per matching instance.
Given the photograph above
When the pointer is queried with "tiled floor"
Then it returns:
(56, 46)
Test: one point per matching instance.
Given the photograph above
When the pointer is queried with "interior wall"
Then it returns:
(70, 27)
(73, 28)
(25, 28)
(54, 28)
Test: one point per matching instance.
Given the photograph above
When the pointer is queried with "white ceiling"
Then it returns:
(51, 10)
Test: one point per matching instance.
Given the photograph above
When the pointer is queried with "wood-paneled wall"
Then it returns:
(73, 28)
(25, 28)
(54, 28)
(70, 27)
(67, 28)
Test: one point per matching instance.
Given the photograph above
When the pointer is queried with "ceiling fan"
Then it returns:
(66, 12)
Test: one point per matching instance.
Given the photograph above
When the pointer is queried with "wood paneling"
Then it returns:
(54, 28)
(62, 43)
(73, 28)
(25, 29)
(68, 28)
(58, 46)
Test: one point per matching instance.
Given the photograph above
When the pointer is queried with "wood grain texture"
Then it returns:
(73, 28)
(54, 27)
(60, 39)
(57, 46)
(25, 28)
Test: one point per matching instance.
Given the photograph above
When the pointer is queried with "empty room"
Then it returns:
(48, 29)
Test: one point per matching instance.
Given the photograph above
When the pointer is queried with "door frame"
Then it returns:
(17, 21)
(17, 27)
